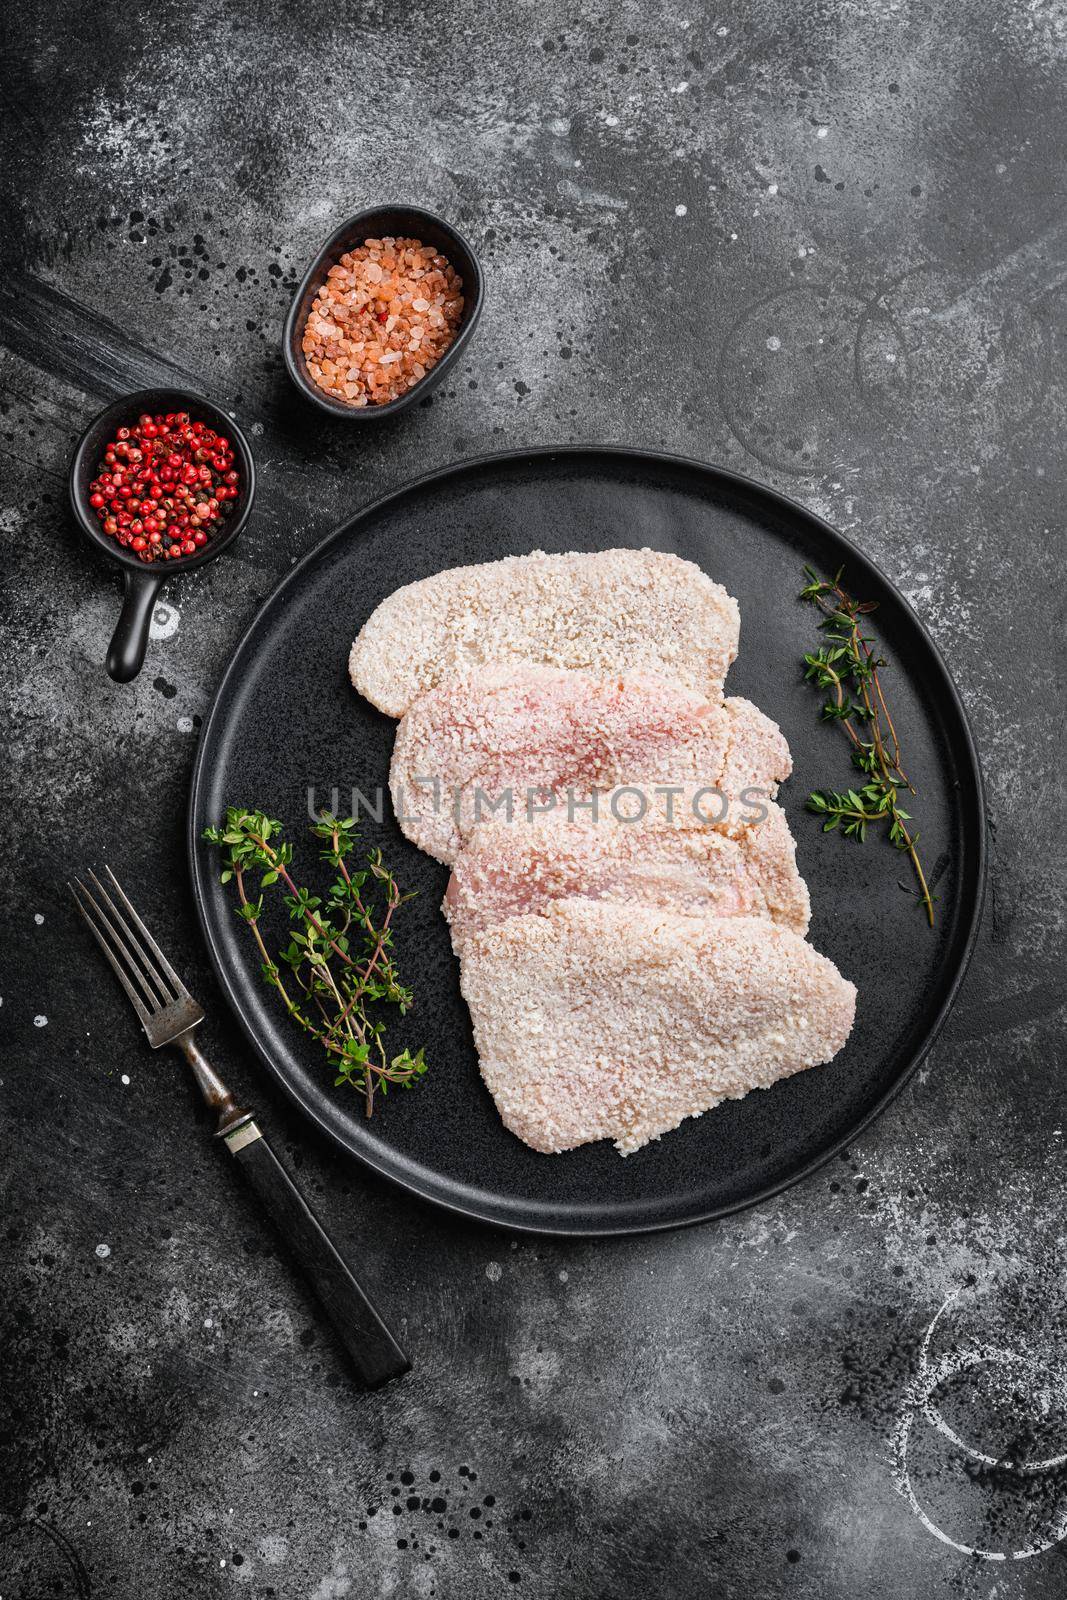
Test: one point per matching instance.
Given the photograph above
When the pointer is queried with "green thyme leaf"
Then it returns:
(846, 669)
(347, 982)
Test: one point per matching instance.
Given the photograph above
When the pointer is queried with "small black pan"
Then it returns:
(143, 580)
(409, 222)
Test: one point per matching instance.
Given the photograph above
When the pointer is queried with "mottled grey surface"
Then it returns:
(819, 242)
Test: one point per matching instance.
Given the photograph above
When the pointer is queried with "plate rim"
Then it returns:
(725, 476)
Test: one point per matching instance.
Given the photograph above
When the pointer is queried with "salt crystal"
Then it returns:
(361, 340)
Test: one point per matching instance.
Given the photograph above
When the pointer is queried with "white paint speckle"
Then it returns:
(37, 917)
(274, 1548)
(133, 140)
(774, 343)
(611, 120)
(680, 88)
(40, 1021)
(184, 724)
(103, 1251)
(722, 32)
(680, 211)
(165, 620)
(494, 1272)
(208, 1323)
(772, 188)
(564, 1277)
(821, 133)
(125, 1077)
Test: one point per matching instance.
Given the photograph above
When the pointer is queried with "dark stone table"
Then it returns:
(819, 243)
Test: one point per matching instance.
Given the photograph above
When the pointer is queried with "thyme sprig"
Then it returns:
(847, 668)
(338, 965)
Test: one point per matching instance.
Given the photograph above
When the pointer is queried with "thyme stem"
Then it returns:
(340, 1008)
(847, 667)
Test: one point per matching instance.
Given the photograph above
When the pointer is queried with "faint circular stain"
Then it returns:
(36, 1560)
(796, 412)
(937, 352)
(1021, 1372)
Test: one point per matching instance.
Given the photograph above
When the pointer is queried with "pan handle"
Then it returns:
(125, 654)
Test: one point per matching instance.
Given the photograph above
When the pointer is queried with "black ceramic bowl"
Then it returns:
(143, 580)
(408, 222)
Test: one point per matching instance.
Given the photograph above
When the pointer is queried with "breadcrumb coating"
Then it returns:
(610, 611)
(597, 1021)
(511, 870)
(545, 736)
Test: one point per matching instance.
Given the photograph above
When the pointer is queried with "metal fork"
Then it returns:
(168, 1015)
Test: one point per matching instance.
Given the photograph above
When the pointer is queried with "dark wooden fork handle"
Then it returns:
(375, 1354)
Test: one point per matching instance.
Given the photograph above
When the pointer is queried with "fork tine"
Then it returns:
(176, 983)
(116, 966)
(143, 964)
(105, 913)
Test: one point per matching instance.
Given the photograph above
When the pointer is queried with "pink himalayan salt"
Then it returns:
(386, 314)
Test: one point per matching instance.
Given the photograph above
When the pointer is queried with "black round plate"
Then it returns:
(286, 720)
